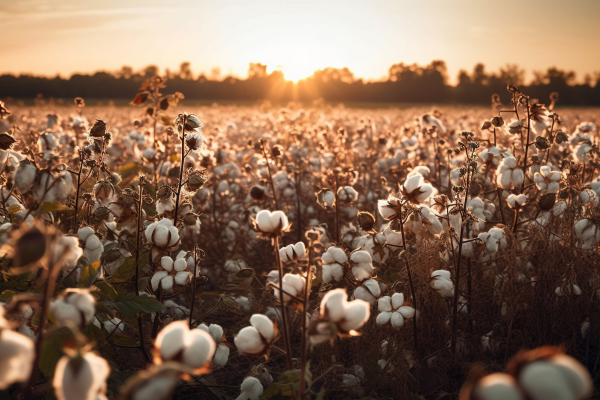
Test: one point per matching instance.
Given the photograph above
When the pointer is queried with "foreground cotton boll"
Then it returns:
(193, 348)
(268, 222)
(162, 234)
(440, 282)
(256, 338)
(16, 356)
(251, 389)
(76, 306)
(336, 309)
(498, 386)
(81, 377)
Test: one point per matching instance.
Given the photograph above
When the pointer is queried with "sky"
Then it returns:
(49, 37)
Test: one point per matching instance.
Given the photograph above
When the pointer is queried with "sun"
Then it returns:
(295, 60)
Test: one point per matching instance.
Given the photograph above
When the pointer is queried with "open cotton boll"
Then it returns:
(74, 305)
(114, 326)
(251, 389)
(416, 190)
(497, 386)
(16, 356)
(254, 339)
(541, 380)
(335, 254)
(368, 291)
(222, 352)
(84, 377)
(440, 282)
(332, 272)
(292, 285)
(194, 348)
(162, 233)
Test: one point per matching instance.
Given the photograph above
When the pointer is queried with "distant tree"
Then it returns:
(257, 70)
(150, 71)
(331, 74)
(185, 70)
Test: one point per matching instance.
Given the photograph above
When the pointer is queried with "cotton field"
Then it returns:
(160, 250)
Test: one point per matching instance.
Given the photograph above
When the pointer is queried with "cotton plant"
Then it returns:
(336, 310)
(423, 221)
(174, 310)
(494, 241)
(393, 310)
(171, 273)
(222, 351)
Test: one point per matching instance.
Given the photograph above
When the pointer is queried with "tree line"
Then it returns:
(405, 83)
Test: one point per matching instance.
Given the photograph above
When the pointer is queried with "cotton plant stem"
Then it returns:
(284, 324)
(304, 344)
(137, 270)
(410, 282)
(270, 176)
(53, 271)
(180, 181)
(458, 263)
(194, 285)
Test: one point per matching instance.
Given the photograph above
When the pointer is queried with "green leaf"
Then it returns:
(130, 169)
(143, 283)
(125, 271)
(122, 340)
(54, 206)
(105, 289)
(7, 295)
(288, 384)
(88, 274)
(130, 304)
(94, 333)
(52, 351)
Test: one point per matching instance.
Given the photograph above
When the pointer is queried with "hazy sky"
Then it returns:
(368, 36)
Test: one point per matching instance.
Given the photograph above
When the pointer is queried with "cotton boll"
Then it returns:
(199, 348)
(16, 356)
(263, 325)
(251, 389)
(248, 340)
(541, 380)
(498, 386)
(80, 377)
(332, 272)
(114, 326)
(357, 313)
(362, 271)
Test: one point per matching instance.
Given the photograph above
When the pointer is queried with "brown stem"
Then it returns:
(180, 181)
(410, 282)
(194, 284)
(303, 344)
(284, 327)
(137, 270)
